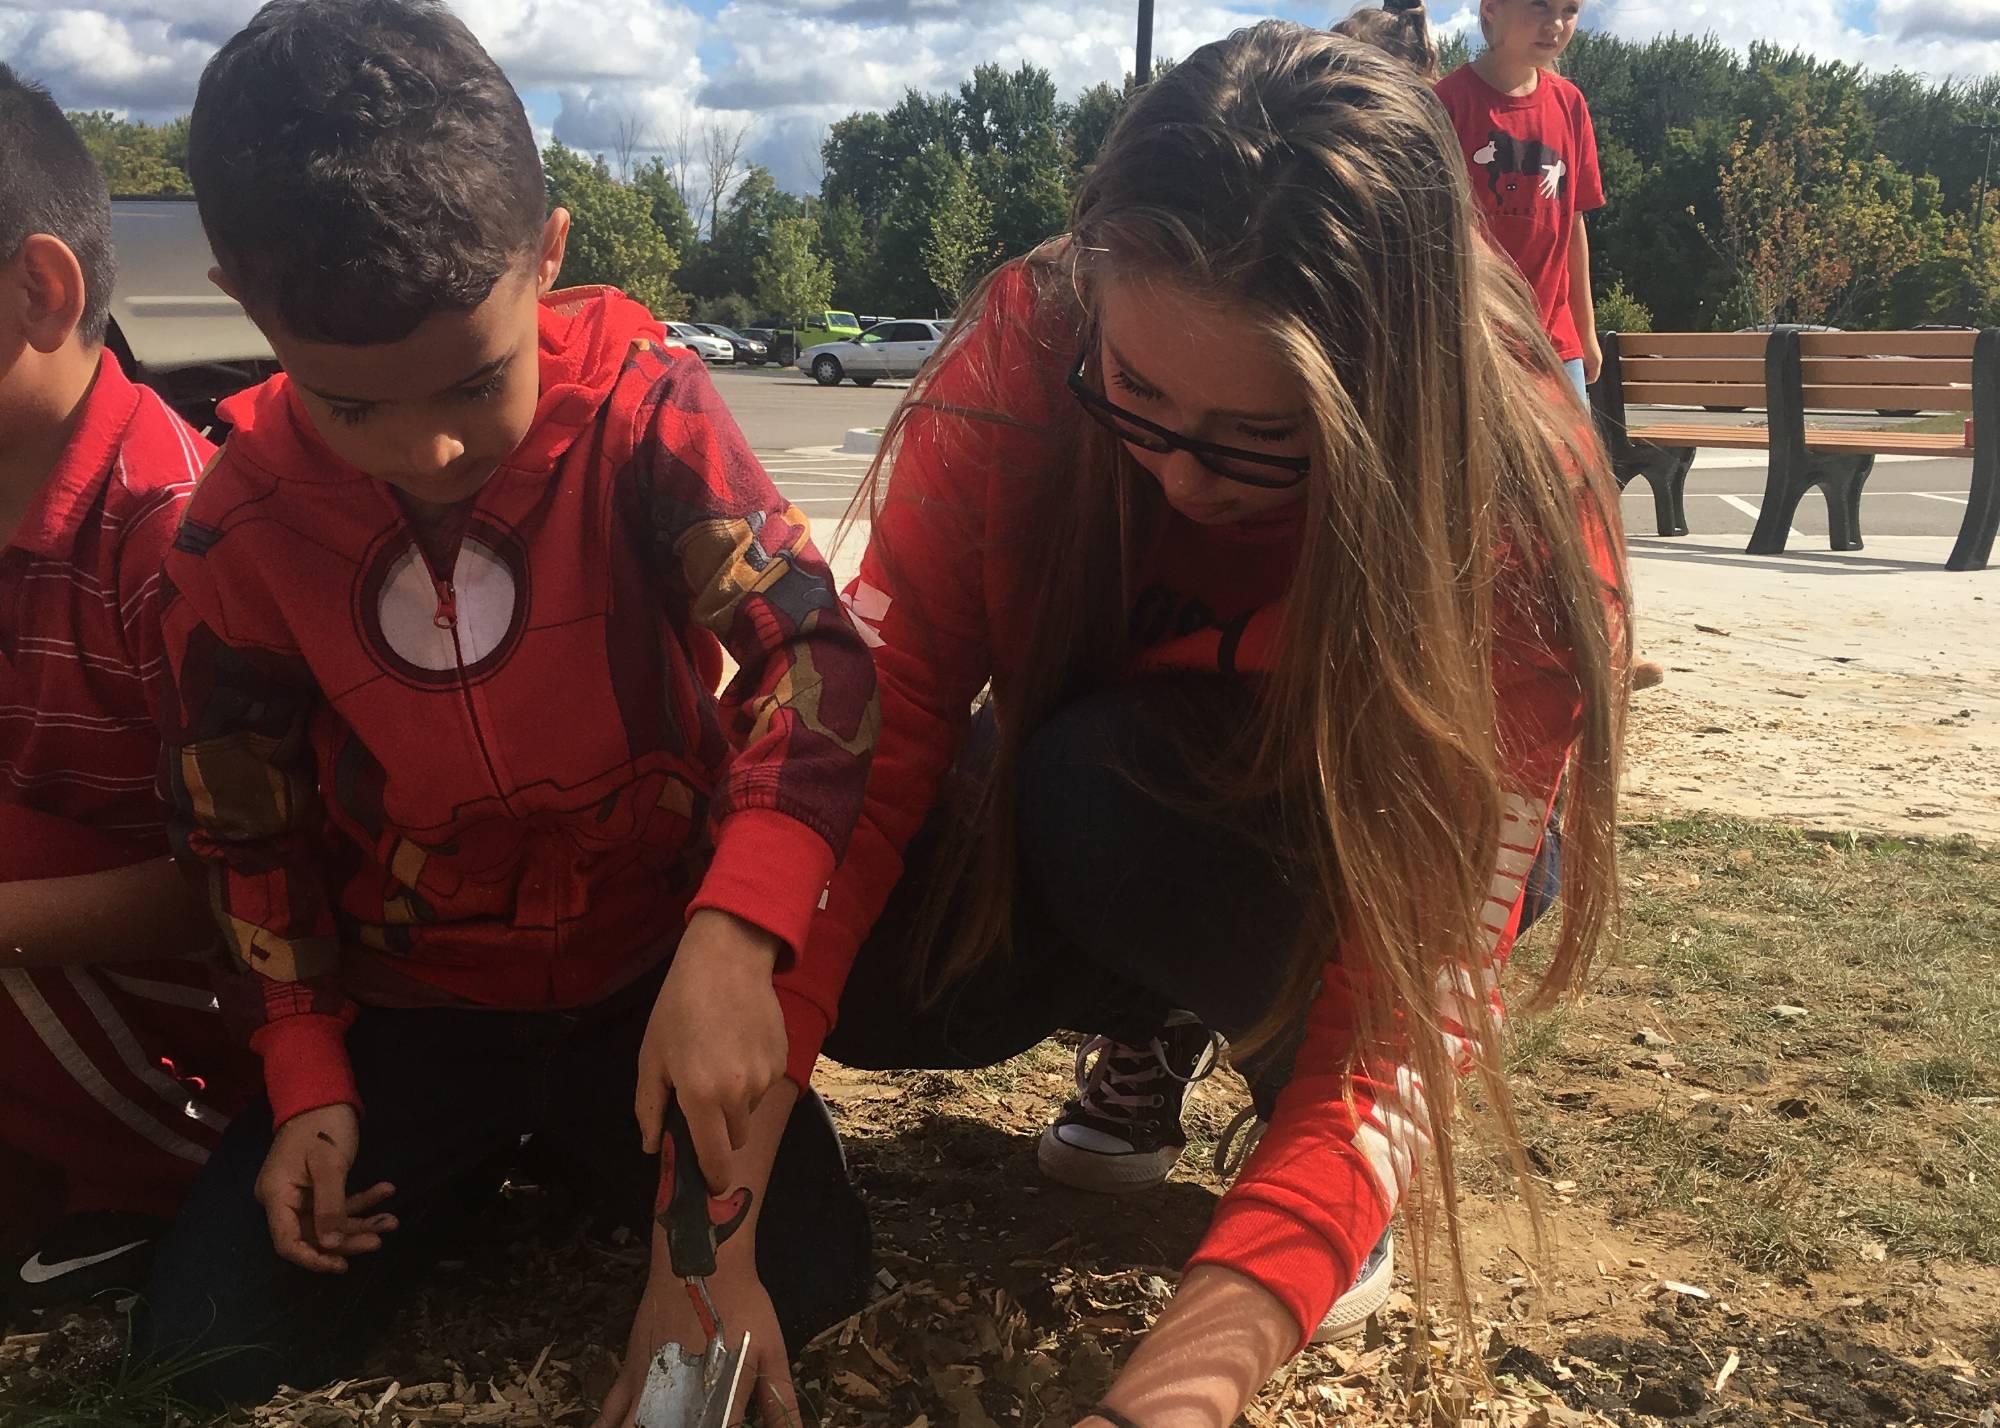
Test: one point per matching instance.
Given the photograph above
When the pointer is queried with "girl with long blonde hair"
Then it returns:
(1293, 593)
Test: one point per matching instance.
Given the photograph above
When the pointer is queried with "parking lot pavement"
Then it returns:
(780, 408)
(1903, 498)
(819, 481)
(795, 426)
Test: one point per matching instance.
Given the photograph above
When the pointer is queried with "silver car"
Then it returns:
(891, 349)
(707, 346)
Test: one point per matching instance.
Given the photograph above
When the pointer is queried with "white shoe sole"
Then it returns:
(1354, 1308)
(1099, 1173)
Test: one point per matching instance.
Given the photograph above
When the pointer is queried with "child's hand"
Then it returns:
(667, 1316)
(716, 1039)
(314, 1222)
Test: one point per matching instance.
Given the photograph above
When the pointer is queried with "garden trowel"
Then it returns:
(685, 1390)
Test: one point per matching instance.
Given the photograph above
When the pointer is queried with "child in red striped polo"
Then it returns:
(115, 1074)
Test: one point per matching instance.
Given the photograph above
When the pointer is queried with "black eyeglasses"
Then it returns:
(1252, 468)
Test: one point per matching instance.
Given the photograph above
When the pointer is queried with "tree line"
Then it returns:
(1742, 187)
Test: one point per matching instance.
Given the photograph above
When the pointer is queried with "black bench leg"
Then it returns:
(1842, 480)
(1841, 477)
(1774, 518)
(1665, 471)
(1982, 513)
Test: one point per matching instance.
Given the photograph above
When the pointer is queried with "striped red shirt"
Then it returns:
(80, 617)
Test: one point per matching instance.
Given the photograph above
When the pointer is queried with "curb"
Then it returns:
(862, 441)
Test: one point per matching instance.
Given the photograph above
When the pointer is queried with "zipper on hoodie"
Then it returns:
(445, 617)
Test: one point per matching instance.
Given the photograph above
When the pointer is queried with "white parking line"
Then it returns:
(1754, 513)
(1933, 496)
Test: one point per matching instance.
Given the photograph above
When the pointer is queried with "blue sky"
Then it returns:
(788, 68)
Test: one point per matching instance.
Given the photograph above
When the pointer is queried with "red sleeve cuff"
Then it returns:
(1304, 1271)
(771, 871)
(305, 1065)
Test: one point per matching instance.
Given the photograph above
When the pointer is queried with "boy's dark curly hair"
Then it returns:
(361, 165)
(49, 184)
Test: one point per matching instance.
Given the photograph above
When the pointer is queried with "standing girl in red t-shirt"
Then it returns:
(1295, 581)
(1532, 154)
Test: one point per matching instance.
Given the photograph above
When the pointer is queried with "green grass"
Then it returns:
(1792, 1143)
(1936, 422)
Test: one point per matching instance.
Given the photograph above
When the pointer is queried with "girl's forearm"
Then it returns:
(1214, 1346)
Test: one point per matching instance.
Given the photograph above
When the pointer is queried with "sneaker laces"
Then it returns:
(1114, 1082)
(1228, 1157)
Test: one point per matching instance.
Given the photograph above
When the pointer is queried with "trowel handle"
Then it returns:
(695, 1221)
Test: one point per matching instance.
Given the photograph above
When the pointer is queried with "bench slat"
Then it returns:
(1694, 369)
(1693, 344)
(1885, 344)
(1889, 371)
(1870, 399)
(1696, 394)
(1889, 443)
(1738, 438)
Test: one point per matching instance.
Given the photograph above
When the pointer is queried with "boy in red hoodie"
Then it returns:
(443, 622)
(116, 1074)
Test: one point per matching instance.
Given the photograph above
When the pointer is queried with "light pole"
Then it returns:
(1142, 68)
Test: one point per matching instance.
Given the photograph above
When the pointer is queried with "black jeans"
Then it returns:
(449, 1094)
(1135, 897)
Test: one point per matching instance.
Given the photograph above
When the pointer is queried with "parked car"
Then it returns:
(778, 343)
(171, 327)
(709, 347)
(745, 349)
(894, 349)
(867, 322)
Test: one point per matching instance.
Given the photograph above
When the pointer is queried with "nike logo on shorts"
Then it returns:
(34, 1271)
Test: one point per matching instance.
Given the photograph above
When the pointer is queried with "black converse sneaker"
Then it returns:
(1370, 1290)
(1123, 1130)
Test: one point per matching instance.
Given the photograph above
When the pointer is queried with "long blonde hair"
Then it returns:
(1314, 184)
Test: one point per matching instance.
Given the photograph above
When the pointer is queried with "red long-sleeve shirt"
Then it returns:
(509, 783)
(938, 600)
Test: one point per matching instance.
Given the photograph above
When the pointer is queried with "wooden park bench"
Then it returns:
(1789, 372)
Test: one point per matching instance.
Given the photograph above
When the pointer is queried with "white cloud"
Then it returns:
(1948, 19)
(795, 66)
(1890, 34)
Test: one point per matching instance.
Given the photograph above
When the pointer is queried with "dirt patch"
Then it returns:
(1826, 691)
(1768, 1145)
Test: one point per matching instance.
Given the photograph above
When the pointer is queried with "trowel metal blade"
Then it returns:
(686, 1390)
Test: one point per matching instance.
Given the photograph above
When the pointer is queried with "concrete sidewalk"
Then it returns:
(1836, 691)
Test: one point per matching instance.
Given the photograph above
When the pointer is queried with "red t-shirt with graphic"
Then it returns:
(1533, 161)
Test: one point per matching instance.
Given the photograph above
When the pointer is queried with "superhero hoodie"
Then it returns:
(939, 599)
(506, 784)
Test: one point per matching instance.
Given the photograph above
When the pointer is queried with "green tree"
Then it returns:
(728, 261)
(1087, 124)
(670, 211)
(613, 238)
(961, 249)
(792, 278)
(1010, 135)
(1810, 227)
(926, 185)
(138, 160)
(851, 252)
